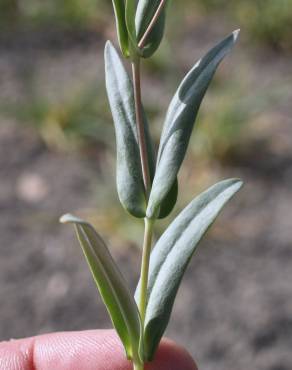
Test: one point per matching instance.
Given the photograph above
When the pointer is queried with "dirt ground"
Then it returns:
(234, 308)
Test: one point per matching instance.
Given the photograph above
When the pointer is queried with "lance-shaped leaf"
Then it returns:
(129, 173)
(172, 254)
(113, 289)
(180, 120)
(146, 11)
(120, 15)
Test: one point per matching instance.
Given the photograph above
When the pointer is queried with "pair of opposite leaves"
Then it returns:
(176, 246)
(175, 136)
(132, 21)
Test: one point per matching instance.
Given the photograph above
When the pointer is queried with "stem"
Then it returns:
(138, 366)
(143, 40)
(148, 233)
(140, 125)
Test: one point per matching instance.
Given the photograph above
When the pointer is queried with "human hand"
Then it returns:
(86, 350)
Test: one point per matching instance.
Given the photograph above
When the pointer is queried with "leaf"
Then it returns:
(129, 173)
(180, 120)
(146, 10)
(111, 285)
(130, 22)
(169, 201)
(119, 9)
(172, 254)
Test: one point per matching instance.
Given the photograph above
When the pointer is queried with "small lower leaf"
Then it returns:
(111, 285)
(171, 255)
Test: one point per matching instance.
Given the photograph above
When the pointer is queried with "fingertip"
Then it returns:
(86, 350)
(171, 356)
(17, 354)
(89, 350)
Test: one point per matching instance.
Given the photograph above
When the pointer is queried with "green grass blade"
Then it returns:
(172, 254)
(180, 120)
(111, 285)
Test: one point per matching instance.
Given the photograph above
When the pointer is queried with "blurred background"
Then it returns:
(57, 154)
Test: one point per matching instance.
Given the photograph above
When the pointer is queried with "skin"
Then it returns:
(86, 350)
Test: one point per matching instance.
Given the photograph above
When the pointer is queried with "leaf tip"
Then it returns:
(68, 219)
(108, 47)
(239, 182)
(108, 44)
(236, 34)
(236, 184)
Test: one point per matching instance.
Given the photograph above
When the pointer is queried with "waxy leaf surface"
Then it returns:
(129, 173)
(172, 253)
(169, 201)
(180, 120)
(111, 285)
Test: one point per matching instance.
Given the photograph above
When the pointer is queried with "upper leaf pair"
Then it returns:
(178, 126)
(134, 20)
(129, 172)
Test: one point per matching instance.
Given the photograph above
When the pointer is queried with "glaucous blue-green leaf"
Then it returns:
(169, 201)
(146, 10)
(120, 15)
(129, 173)
(180, 120)
(172, 253)
(113, 289)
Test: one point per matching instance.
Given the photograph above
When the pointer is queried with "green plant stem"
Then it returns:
(148, 234)
(138, 366)
(140, 125)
